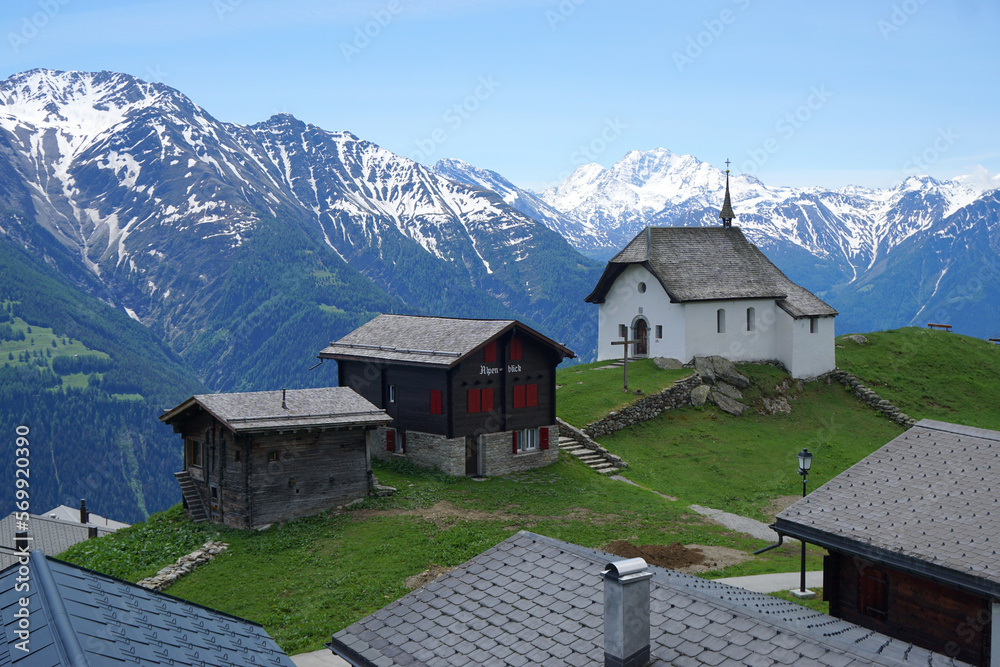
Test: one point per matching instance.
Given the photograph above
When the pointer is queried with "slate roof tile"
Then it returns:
(704, 621)
(430, 341)
(891, 502)
(710, 263)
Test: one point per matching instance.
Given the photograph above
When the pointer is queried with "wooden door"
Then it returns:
(641, 338)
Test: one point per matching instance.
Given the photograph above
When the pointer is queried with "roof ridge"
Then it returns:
(65, 639)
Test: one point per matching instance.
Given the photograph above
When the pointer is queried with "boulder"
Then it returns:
(704, 367)
(773, 406)
(729, 390)
(727, 404)
(725, 370)
(699, 395)
(668, 363)
(858, 338)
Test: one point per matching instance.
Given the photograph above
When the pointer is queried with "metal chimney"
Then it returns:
(626, 613)
(284, 406)
(84, 514)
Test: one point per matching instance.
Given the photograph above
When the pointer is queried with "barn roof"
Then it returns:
(537, 600)
(426, 341)
(80, 617)
(926, 503)
(248, 412)
(708, 264)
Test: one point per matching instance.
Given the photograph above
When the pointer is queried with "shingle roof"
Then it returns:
(709, 263)
(429, 341)
(53, 536)
(79, 617)
(534, 600)
(928, 501)
(304, 408)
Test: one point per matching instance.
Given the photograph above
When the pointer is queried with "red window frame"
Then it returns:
(531, 395)
(515, 348)
(436, 408)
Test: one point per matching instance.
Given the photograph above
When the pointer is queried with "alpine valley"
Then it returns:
(150, 251)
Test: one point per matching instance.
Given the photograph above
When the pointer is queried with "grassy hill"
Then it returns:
(306, 579)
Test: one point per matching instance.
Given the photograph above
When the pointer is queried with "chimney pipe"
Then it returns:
(284, 406)
(84, 514)
(626, 613)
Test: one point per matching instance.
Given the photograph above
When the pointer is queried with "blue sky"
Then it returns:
(797, 93)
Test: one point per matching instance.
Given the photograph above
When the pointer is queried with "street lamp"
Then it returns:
(805, 462)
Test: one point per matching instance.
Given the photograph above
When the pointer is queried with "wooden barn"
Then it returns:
(912, 534)
(251, 459)
(469, 397)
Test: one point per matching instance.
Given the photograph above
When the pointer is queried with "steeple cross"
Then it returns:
(727, 165)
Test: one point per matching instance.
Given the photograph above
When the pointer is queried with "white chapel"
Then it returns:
(686, 292)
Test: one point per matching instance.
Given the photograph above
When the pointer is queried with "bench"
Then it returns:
(946, 327)
(995, 340)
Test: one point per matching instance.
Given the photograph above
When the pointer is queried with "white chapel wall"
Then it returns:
(736, 342)
(622, 306)
(809, 354)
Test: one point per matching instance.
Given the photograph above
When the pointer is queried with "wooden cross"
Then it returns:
(626, 342)
(727, 164)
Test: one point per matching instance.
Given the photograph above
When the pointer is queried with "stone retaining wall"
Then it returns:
(184, 564)
(872, 399)
(676, 395)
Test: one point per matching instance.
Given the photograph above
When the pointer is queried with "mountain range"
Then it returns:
(924, 250)
(184, 254)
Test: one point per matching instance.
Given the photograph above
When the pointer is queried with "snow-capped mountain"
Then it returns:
(161, 200)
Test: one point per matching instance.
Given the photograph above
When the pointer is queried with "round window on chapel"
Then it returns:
(642, 288)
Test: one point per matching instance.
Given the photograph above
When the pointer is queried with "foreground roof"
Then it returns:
(330, 407)
(706, 264)
(86, 619)
(534, 600)
(67, 513)
(50, 535)
(427, 341)
(927, 502)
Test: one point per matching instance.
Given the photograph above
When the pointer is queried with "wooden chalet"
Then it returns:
(912, 533)
(251, 459)
(470, 397)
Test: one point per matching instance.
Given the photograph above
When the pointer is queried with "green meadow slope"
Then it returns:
(309, 578)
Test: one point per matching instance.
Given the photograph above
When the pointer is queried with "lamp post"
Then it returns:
(805, 462)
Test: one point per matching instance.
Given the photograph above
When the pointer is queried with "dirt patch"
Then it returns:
(427, 576)
(689, 558)
(777, 505)
(673, 556)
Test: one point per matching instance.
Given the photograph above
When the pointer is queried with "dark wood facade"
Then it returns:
(515, 372)
(916, 609)
(250, 477)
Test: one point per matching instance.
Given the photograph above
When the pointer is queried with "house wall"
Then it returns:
(736, 343)
(220, 469)
(808, 354)
(496, 452)
(622, 306)
(314, 471)
(926, 613)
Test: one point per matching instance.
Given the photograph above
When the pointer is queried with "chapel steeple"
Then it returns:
(726, 213)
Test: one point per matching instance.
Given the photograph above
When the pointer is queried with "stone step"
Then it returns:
(604, 469)
(590, 457)
(578, 451)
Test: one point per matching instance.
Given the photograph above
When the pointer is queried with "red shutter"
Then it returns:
(531, 395)
(435, 401)
(390, 441)
(487, 404)
(518, 395)
(514, 433)
(543, 438)
(475, 404)
(515, 347)
(491, 352)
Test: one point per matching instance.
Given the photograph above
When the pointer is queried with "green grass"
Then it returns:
(307, 579)
(38, 343)
(588, 392)
(738, 464)
(929, 374)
